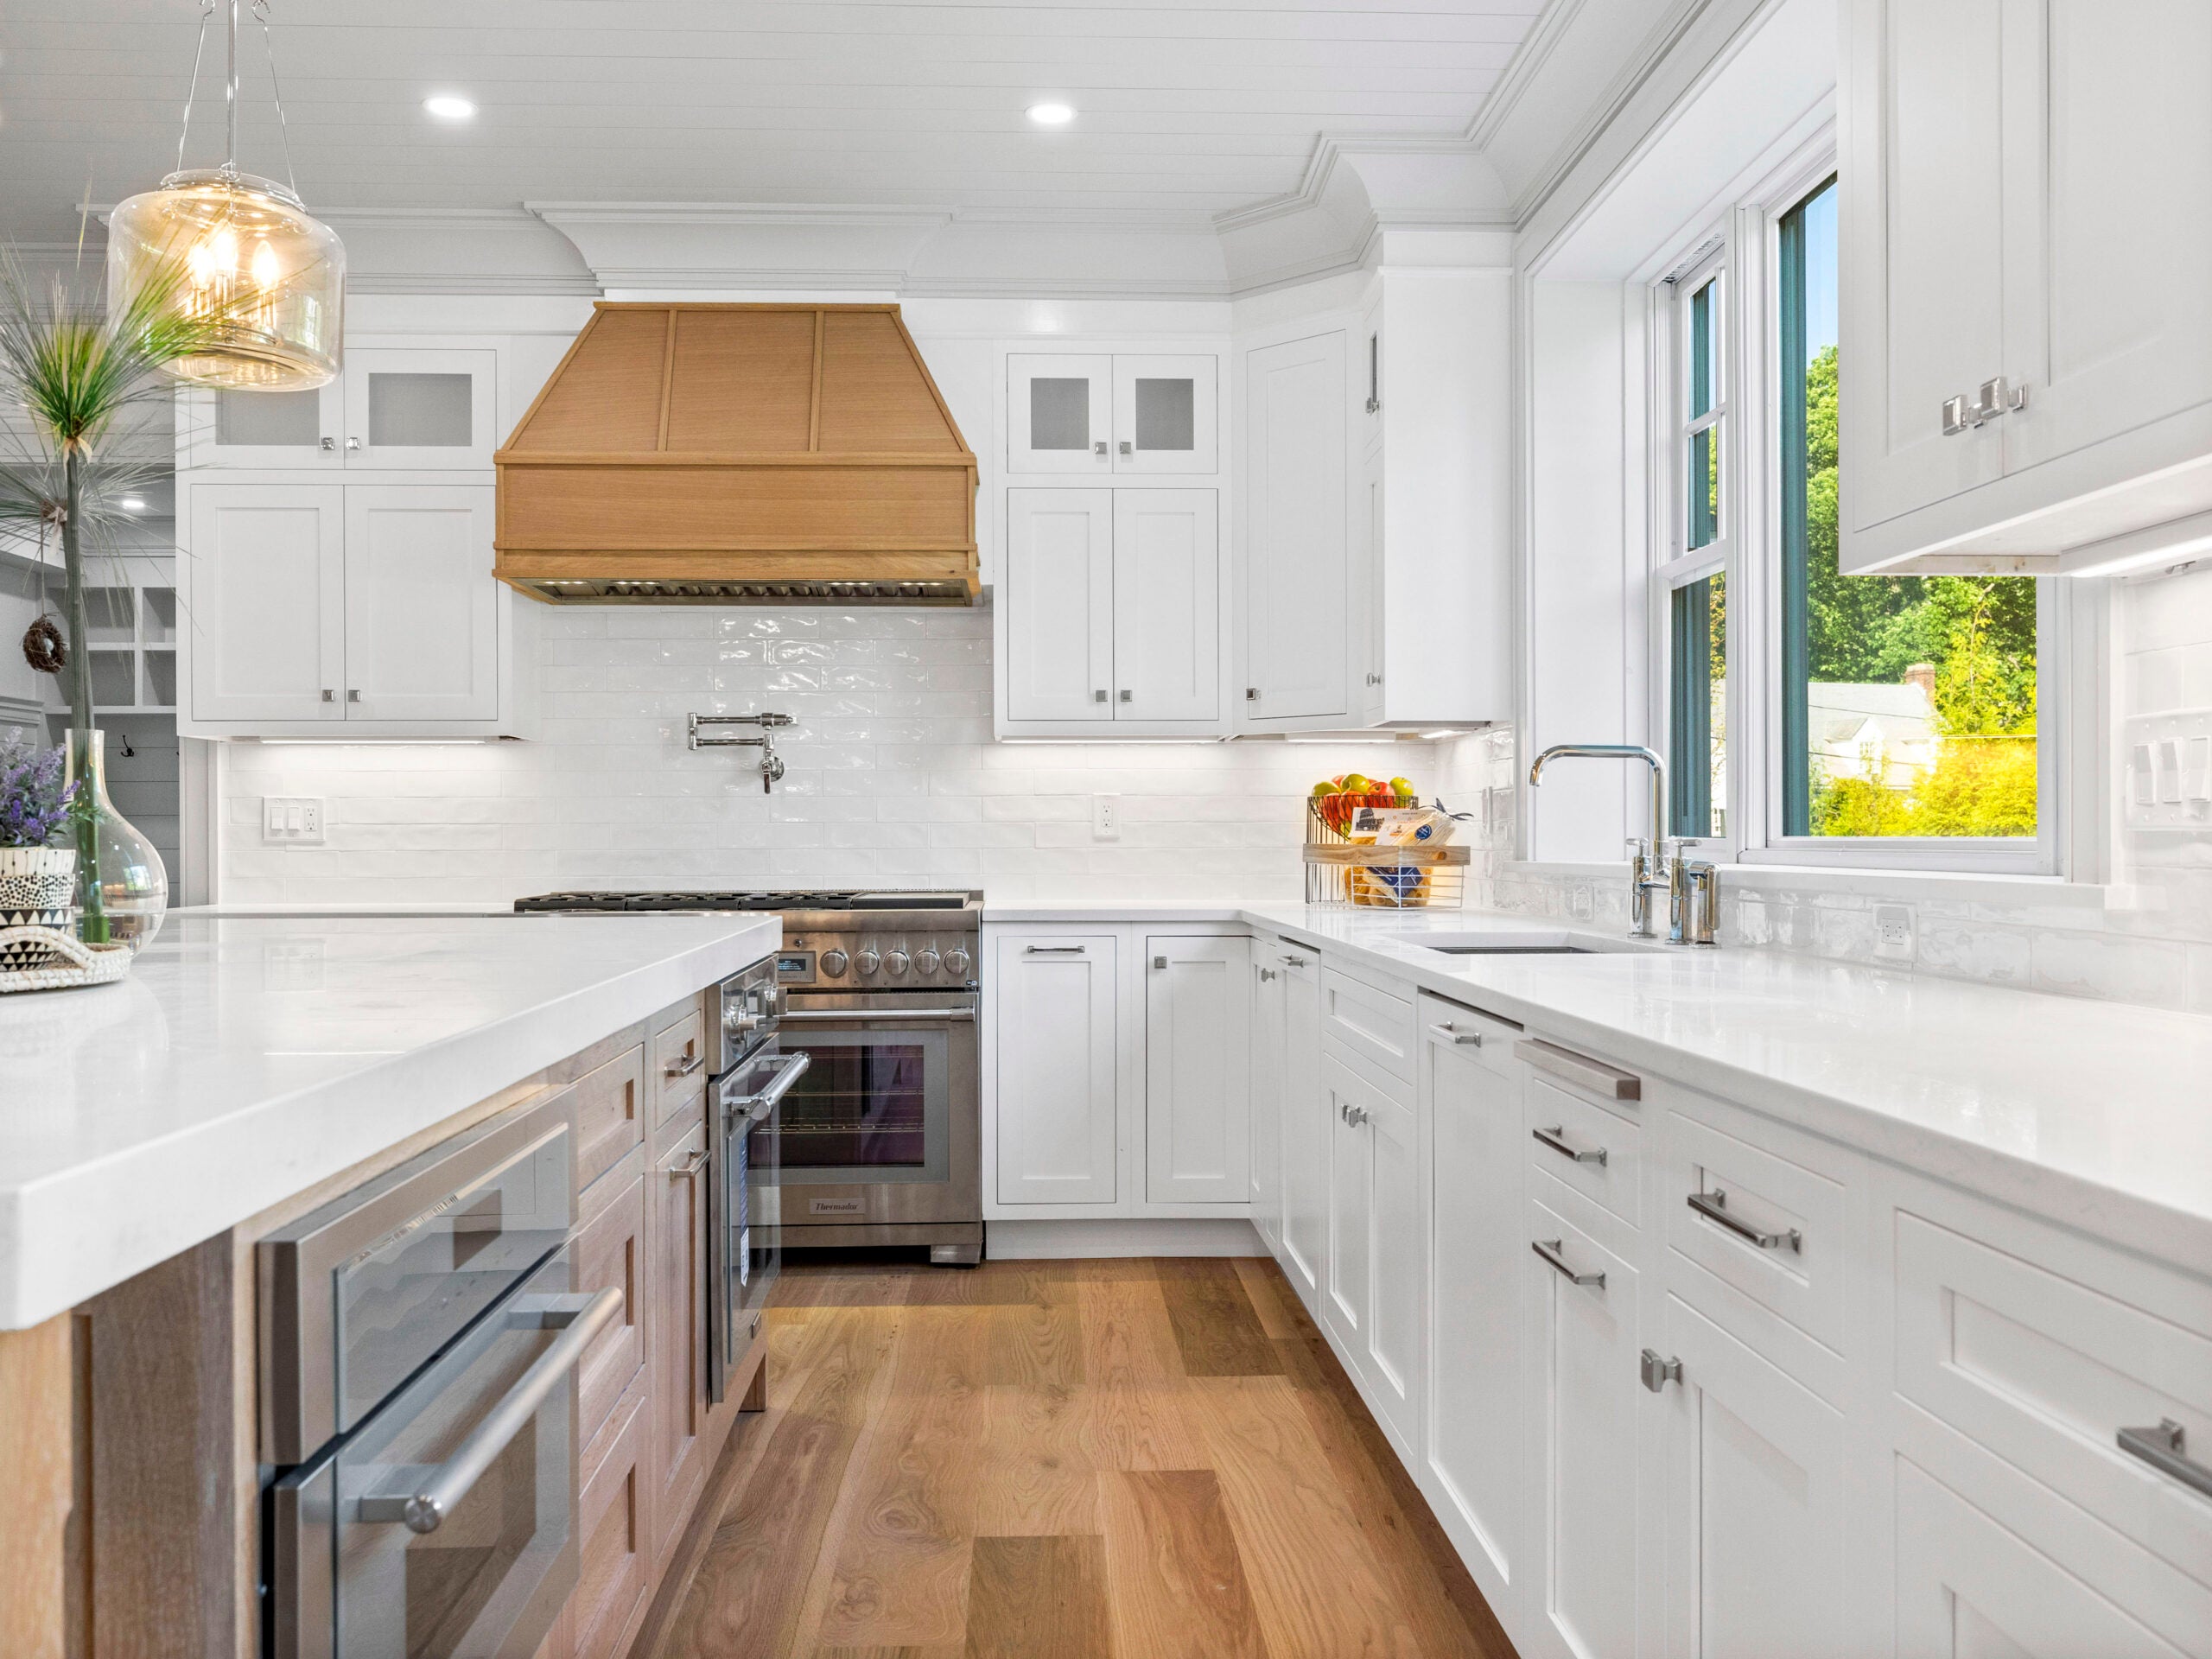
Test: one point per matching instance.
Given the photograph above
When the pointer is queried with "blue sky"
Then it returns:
(1820, 273)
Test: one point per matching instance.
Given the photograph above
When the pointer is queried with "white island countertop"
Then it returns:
(2098, 1115)
(247, 1058)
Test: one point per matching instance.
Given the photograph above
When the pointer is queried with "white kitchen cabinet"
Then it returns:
(1296, 568)
(1348, 1100)
(1164, 415)
(1075, 414)
(1166, 605)
(391, 409)
(1582, 1323)
(2026, 199)
(1197, 1102)
(372, 607)
(421, 606)
(1305, 1120)
(1377, 1258)
(1111, 601)
(1754, 1518)
(1056, 1068)
(1058, 594)
(1471, 1466)
(262, 593)
(1270, 1060)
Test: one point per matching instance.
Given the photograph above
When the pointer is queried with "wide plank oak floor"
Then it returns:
(1100, 1459)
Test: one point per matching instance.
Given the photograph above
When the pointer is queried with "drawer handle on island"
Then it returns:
(431, 1494)
(2161, 1447)
(1451, 1033)
(689, 1168)
(1606, 1081)
(1714, 1206)
(1555, 1138)
(1549, 1249)
(684, 1067)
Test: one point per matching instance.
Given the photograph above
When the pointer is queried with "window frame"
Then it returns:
(1743, 242)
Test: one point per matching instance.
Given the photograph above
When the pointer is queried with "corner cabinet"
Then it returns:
(2026, 235)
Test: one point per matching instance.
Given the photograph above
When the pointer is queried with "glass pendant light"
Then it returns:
(243, 250)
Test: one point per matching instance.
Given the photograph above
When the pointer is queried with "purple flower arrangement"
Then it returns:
(34, 800)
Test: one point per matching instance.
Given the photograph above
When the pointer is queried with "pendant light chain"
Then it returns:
(206, 11)
(283, 127)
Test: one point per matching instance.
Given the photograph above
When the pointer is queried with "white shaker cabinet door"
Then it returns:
(1398, 1268)
(1477, 1251)
(1056, 1130)
(422, 612)
(1305, 1253)
(263, 603)
(1059, 600)
(1059, 414)
(1296, 552)
(1166, 605)
(1270, 1043)
(1580, 1311)
(2107, 325)
(1922, 235)
(1197, 1098)
(1754, 1504)
(1163, 415)
(1348, 1301)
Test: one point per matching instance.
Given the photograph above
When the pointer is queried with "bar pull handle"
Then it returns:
(684, 1067)
(1555, 1138)
(1051, 950)
(1714, 1206)
(755, 1108)
(436, 1492)
(689, 1168)
(2161, 1447)
(1606, 1081)
(1657, 1373)
(1451, 1033)
(1549, 1249)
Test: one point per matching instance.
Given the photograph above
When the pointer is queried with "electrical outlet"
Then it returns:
(292, 820)
(1893, 932)
(1105, 818)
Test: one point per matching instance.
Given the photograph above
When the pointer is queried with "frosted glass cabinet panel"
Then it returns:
(1164, 414)
(420, 408)
(1059, 414)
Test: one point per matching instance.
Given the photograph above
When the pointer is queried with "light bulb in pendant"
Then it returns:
(199, 263)
(264, 266)
(223, 249)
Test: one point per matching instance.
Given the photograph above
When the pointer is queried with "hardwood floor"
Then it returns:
(1104, 1460)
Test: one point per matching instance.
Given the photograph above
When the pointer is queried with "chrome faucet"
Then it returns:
(772, 764)
(1656, 865)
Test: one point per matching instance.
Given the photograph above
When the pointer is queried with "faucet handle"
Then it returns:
(1638, 847)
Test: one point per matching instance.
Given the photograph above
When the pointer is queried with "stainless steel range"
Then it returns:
(880, 1142)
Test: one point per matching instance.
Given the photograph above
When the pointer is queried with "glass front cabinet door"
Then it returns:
(1124, 414)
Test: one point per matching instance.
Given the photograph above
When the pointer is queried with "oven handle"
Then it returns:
(877, 1016)
(753, 1108)
(434, 1493)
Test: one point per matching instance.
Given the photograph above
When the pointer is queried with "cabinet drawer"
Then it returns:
(678, 1072)
(1369, 1022)
(608, 1121)
(610, 1250)
(2045, 1370)
(1484, 1037)
(1747, 1187)
(613, 1529)
(1597, 1152)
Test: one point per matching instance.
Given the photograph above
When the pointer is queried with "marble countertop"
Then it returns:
(248, 1058)
(2098, 1115)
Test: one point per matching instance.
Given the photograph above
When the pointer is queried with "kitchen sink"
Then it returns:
(1519, 942)
(1518, 949)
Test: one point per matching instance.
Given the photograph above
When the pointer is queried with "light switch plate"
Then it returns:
(1105, 818)
(1893, 932)
(292, 820)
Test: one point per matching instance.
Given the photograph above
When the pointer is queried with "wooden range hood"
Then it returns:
(716, 454)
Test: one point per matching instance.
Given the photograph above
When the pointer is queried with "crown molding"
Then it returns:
(1535, 49)
(742, 214)
(582, 284)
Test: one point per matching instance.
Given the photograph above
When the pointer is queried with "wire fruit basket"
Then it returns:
(1341, 871)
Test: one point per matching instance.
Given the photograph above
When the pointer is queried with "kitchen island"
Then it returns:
(249, 1068)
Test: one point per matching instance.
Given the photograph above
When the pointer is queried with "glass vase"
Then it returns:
(122, 891)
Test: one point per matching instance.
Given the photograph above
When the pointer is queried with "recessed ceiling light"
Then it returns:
(446, 107)
(132, 503)
(1050, 115)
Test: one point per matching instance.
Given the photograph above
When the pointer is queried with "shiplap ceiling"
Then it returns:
(1190, 108)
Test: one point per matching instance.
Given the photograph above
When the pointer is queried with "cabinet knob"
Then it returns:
(1375, 679)
(1099, 448)
(352, 695)
(1127, 448)
(1251, 694)
(353, 443)
(1098, 696)
(1128, 696)
(329, 695)
(1657, 1373)
(1160, 961)
(330, 446)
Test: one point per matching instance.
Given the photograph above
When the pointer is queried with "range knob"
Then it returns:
(926, 960)
(896, 962)
(834, 963)
(868, 961)
(956, 962)
(739, 1020)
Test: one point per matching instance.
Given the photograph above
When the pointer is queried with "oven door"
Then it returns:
(885, 1127)
(744, 1256)
(445, 1525)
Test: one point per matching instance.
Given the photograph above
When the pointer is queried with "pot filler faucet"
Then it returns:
(772, 764)
(1692, 897)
